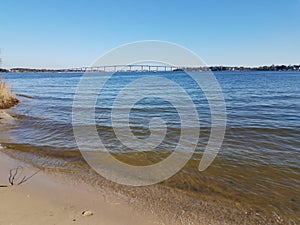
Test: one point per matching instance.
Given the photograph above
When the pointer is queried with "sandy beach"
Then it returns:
(45, 199)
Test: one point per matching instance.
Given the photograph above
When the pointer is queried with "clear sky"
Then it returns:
(61, 33)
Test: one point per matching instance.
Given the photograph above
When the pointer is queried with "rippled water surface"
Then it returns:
(259, 162)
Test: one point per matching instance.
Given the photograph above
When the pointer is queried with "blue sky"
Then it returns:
(59, 34)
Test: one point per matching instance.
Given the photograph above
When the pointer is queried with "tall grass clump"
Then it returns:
(7, 99)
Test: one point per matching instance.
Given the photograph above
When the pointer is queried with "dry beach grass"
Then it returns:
(7, 99)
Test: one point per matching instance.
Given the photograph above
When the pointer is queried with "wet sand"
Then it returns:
(45, 199)
(58, 198)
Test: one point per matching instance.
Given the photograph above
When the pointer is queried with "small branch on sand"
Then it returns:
(25, 179)
(12, 176)
(14, 172)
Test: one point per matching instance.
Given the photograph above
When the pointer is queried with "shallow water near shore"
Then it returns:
(258, 165)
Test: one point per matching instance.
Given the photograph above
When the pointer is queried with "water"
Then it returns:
(258, 165)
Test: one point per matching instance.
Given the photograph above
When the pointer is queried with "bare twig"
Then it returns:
(13, 173)
(25, 179)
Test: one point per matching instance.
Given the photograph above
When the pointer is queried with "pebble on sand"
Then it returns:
(87, 213)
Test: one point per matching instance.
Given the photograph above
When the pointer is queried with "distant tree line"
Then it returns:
(242, 68)
(3, 70)
(209, 68)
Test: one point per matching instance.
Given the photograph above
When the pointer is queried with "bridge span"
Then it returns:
(125, 68)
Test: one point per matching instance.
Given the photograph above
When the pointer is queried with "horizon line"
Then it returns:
(182, 66)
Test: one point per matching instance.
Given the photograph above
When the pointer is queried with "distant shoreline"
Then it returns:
(210, 68)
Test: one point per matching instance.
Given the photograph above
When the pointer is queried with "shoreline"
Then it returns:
(51, 198)
(47, 199)
(64, 194)
(277, 67)
(67, 195)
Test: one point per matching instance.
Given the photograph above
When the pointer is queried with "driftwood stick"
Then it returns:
(12, 175)
(22, 180)
(25, 179)
(14, 172)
